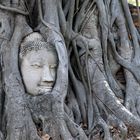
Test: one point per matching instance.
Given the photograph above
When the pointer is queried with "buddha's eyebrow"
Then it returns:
(37, 60)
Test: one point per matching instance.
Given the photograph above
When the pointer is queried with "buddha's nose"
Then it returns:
(46, 75)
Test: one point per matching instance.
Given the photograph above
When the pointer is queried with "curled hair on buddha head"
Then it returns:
(34, 42)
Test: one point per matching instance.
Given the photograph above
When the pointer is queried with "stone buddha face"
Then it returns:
(38, 65)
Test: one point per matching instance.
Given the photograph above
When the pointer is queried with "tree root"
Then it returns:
(116, 123)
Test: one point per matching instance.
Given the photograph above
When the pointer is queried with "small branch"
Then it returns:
(78, 62)
(62, 19)
(80, 16)
(71, 14)
(87, 16)
(14, 10)
(80, 94)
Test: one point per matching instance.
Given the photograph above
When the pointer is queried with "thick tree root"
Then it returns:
(103, 93)
(50, 114)
(94, 102)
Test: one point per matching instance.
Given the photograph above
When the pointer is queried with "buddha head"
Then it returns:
(38, 64)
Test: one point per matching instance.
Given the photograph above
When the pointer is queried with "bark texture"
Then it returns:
(96, 93)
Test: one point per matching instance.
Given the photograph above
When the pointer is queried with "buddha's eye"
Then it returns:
(53, 66)
(36, 65)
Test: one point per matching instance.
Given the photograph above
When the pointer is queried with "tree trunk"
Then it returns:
(94, 41)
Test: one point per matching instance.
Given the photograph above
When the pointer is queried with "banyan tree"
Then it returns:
(70, 70)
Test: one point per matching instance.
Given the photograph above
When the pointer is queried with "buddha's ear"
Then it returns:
(20, 58)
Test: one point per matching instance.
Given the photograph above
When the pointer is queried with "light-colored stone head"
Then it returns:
(38, 63)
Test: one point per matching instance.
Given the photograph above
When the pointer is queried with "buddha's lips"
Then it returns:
(44, 89)
(47, 85)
